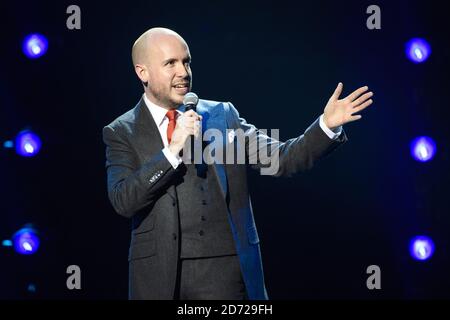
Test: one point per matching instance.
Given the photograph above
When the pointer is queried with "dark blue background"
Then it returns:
(278, 62)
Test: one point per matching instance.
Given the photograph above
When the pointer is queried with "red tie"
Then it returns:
(171, 114)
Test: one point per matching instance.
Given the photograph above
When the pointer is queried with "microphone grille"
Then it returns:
(190, 98)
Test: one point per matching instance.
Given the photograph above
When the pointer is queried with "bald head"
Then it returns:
(162, 61)
(150, 41)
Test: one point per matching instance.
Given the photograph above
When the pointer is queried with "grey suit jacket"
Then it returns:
(142, 186)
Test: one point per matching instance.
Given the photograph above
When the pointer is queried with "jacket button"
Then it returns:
(174, 236)
(173, 203)
(203, 218)
(201, 232)
(204, 202)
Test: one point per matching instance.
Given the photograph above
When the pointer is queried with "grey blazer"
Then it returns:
(141, 186)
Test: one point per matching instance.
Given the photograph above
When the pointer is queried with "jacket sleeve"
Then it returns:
(277, 158)
(132, 188)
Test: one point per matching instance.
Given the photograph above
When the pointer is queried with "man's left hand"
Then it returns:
(339, 112)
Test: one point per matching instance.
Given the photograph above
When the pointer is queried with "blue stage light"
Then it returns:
(418, 50)
(423, 149)
(31, 288)
(34, 46)
(26, 241)
(7, 243)
(28, 144)
(8, 144)
(421, 248)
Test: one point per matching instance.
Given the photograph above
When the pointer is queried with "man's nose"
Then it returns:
(182, 71)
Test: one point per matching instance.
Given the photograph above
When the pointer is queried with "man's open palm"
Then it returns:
(339, 112)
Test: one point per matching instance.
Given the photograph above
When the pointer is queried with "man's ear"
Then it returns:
(142, 73)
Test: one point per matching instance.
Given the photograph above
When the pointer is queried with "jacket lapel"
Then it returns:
(214, 118)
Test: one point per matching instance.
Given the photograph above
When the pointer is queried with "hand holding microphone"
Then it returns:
(187, 125)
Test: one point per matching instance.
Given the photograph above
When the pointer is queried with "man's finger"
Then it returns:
(357, 93)
(363, 106)
(192, 120)
(337, 91)
(190, 113)
(355, 117)
(189, 124)
(362, 99)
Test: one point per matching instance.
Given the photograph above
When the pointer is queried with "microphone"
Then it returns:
(190, 101)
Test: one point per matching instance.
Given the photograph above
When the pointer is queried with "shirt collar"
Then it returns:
(159, 113)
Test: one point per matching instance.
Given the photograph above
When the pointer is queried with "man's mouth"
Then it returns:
(182, 88)
(182, 85)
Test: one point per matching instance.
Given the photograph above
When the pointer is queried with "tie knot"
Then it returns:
(171, 114)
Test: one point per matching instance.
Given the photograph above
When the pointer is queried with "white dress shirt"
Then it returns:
(162, 122)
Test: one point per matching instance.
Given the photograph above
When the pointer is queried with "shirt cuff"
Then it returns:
(332, 134)
(173, 159)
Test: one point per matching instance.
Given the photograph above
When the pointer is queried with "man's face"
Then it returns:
(170, 76)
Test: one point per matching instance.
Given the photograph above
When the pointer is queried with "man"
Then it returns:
(193, 232)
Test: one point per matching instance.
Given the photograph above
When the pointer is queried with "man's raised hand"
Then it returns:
(338, 112)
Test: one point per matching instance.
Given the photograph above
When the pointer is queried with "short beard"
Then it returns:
(165, 101)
